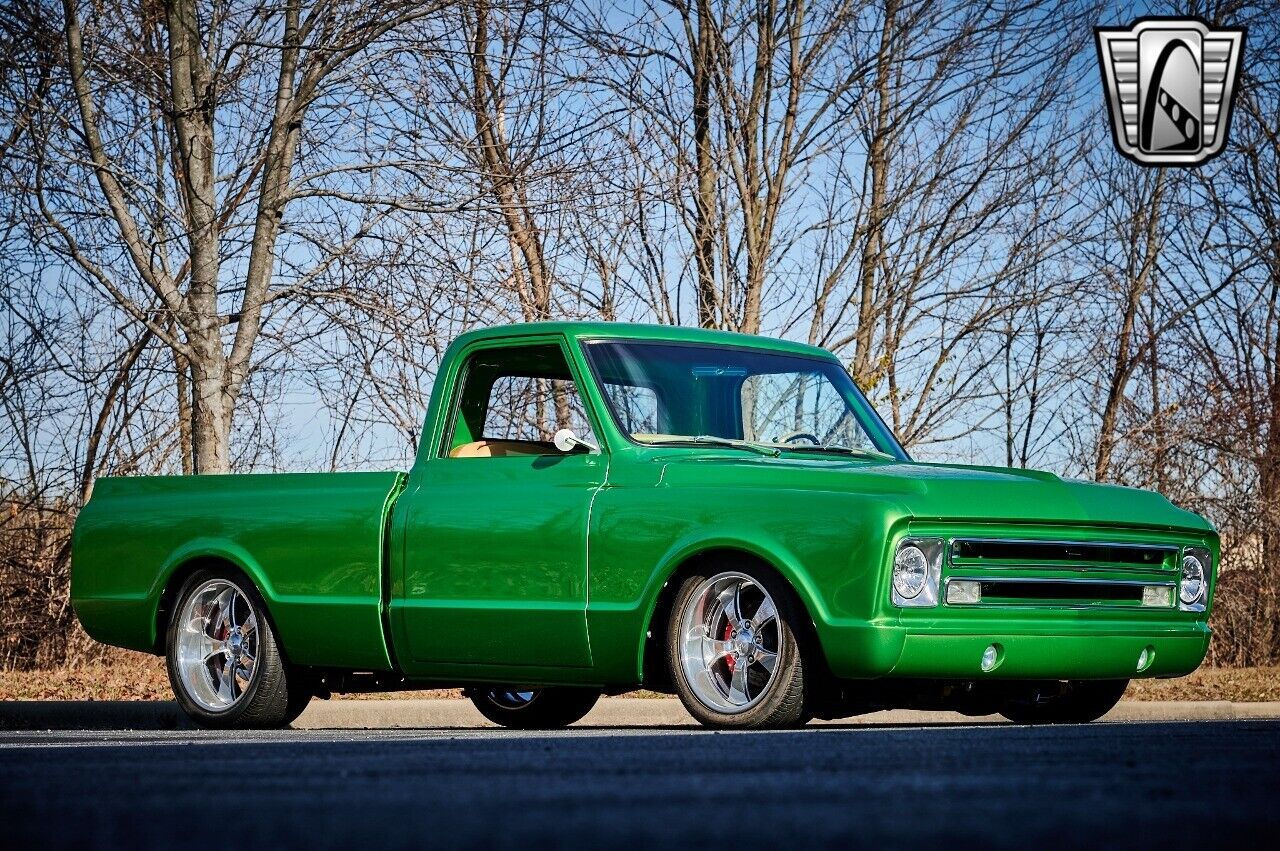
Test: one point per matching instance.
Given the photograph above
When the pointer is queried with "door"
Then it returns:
(495, 569)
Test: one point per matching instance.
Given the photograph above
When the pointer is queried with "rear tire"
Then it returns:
(1072, 702)
(534, 709)
(223, 659)
(734, 653)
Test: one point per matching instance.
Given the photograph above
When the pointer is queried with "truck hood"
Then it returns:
(945, 491)
(954, 492)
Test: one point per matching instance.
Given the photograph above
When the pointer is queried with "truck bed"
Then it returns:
(311, 542)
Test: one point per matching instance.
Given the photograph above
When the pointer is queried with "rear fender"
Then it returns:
(205, 549)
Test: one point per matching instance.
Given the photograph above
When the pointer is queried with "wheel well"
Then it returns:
(179, 577)
(656, 675)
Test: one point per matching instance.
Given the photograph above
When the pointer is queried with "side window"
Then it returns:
(512, 402)
(525, 407)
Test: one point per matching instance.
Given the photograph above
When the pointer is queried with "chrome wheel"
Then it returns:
(217, 645)
(730, 640)
(523, 708)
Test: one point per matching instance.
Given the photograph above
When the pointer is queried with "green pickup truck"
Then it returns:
(597, 507)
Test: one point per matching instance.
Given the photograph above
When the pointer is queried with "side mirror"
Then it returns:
(565, 440)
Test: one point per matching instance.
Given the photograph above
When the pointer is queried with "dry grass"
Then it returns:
(127, 676)
(137, 676)
(1238, 684)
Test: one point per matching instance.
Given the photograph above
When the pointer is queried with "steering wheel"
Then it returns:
(793, 436)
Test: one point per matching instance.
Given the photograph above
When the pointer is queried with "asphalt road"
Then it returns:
(1172, 785)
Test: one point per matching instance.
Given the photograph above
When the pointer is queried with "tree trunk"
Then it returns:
(1268, 602)
(1124, 362)
(705, 198)
(182, 374)
(211, 419)
(1158, 478)
(864, 372)
(523, 233)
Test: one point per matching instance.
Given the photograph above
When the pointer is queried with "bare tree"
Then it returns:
(1233, 391)
(942, 169)
(497, 162)
(738, 101)
(190, 216)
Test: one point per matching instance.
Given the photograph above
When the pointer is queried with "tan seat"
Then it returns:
(502, 449)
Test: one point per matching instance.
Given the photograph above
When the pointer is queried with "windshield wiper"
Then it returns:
(845, 450)
(712, 440)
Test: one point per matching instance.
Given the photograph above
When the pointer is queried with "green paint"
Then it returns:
(545, 570)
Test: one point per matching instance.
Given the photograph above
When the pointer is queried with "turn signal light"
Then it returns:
(963, 591)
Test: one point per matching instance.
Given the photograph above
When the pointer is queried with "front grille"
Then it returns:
(986, 552)
(1026, 591)
(1056, 574)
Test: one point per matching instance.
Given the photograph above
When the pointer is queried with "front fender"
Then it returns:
(770, 551)
(830, 547)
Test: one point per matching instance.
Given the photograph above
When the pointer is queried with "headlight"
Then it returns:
(1193, 589)
(916, 566)
(910, 572)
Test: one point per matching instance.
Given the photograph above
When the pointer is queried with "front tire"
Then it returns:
(733, 651)
(534, 709)
(1070, 702)
(224, 663)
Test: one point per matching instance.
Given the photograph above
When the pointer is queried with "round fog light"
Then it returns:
(990, 657)
(1146, 657)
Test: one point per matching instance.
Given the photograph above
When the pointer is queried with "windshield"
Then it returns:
(678, 393)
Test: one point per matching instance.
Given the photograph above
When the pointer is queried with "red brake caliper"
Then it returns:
(728, 635)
